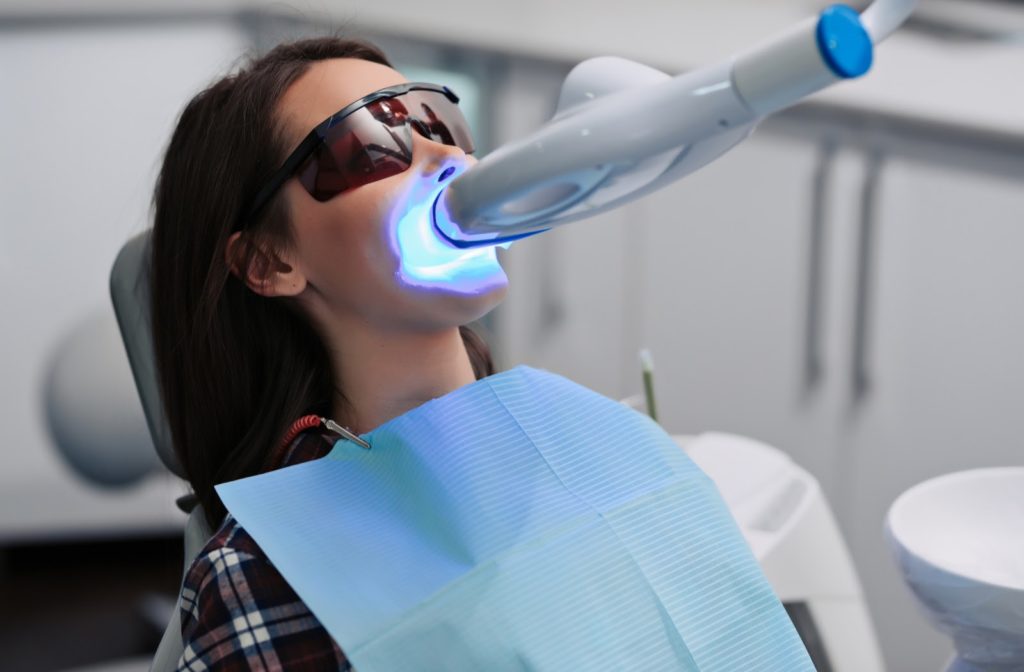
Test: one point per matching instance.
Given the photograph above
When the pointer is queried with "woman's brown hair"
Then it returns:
(236, 369)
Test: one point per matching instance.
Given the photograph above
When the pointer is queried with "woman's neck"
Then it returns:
(384, 375)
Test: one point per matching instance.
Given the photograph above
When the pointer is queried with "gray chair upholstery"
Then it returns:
(129, 291)
(171, 645)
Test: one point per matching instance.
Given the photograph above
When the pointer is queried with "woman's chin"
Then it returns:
(465, 277)
(458, 302)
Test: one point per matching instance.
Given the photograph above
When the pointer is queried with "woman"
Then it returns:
(290, 280)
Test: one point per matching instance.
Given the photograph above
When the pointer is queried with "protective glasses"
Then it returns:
(369, 140)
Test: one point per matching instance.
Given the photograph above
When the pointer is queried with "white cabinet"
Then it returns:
(863, 314)
(943, 366)
(723, 299)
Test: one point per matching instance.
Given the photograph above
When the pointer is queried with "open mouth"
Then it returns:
(426, 258)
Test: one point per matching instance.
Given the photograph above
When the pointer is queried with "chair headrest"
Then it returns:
(129, 291)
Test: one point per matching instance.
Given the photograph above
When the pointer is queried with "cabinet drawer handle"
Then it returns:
(813, 366)
(866, 251)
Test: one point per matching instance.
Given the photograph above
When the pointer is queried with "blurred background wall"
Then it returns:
(845, 286)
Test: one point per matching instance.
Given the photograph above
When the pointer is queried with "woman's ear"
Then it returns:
(261, 269)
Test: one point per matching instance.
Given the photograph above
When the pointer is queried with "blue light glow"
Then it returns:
(427, 260)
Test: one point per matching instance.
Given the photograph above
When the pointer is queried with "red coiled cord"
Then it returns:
(299, 426)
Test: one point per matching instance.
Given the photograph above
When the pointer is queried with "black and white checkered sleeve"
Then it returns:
(238, 613)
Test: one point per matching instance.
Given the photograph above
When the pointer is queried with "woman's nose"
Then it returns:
(436, 161)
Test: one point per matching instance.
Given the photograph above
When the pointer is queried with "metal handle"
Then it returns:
(861, 375)
(813, 367)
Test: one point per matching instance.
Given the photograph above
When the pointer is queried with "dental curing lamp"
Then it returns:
(623, 129)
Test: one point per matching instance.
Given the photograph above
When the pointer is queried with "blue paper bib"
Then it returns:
(521, 522)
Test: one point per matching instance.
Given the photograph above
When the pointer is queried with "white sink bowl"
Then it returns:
(959, 541)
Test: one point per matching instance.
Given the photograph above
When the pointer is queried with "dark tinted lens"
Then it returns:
(391, 111)
(370, 144)
(442, 119)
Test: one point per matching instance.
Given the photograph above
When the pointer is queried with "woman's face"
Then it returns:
(370, 253)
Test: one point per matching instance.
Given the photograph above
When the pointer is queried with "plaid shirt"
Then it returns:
(238, 612)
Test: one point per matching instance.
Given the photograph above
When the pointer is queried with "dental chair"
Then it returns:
(778, 506)
(129, 291)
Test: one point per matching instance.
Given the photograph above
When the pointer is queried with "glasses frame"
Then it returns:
(315, 138)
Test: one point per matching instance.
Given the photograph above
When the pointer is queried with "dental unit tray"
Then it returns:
(623, 129)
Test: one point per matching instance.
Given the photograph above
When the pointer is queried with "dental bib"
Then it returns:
(521, 522)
